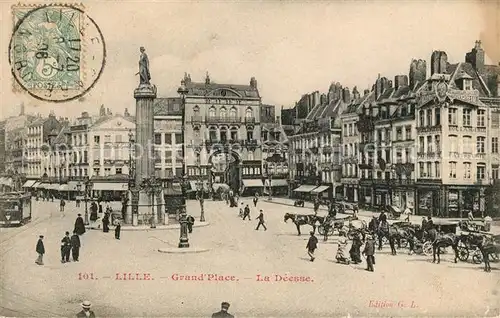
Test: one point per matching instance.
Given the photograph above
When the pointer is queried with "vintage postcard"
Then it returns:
(250, 158)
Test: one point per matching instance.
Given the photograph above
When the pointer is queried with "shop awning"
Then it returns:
(72, 186)
(29, 183)
(42, 186)
(110, 186)
(252, 183)
(63, 187)
(277, 183)
(320, 189)
(52, 186)
(35, 185)
(305, 188)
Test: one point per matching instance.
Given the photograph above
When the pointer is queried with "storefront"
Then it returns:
(252, 186)
(112, 191)
(279, 187)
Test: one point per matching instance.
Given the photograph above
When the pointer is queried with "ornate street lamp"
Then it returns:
(88, 187)
(183, 240)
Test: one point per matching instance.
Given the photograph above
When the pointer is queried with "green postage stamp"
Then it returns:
(49, 50)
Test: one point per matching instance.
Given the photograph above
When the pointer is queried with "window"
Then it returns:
(196, 133)
(85, 156)
(437, 116)
(437, 168)
(265, 135)
(107, 171)
(157, 139)
(196, 111)
(467, 84)
(212, 134)
(481, 171)
(421, 169)
(495, 120)
(452, 116)
(453, 169)
(345, 130)
(408, 133)
(211, 112)
(429, 117)
(107, 138)
(250, 155)
(97, 139)
(421, 117)
(494, 172)
(399, 156)
(350, 130)
(407, 155)
(168, 138)
(437, 141)
(168, 156)
(467, 167)
(178, 139)
(494, 145)
(234, 134)
(249, 113)
(232, 113)
(467, 140)
(388, 156)
(429, 143)
(223, 112)
(466, 117)
(481, 114)
(379, 135)
(118, 170)
(480, 144)
(96, 171)
(223, 134)
(421, 144)
(453, 143)
(429, 169)
(387, 135)
(249, 134)
(399, 133)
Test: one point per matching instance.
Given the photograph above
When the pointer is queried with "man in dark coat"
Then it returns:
(373, 225)
(62, 204)
(77, 200)
(369, 252)
(75, 246)
(312, 245)
(79, 225)
(65, 248)
(223, 311)
(382, 217)
(255, 200)
(105, 223)
(261, 221)
(93, 212)
(86, 312)
(246, 213)
(355, 251)
(40, 249)
(190, 223)
(117, 230)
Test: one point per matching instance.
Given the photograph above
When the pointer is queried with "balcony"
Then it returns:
(250, 120)
(480, 156)
(432, 129)
(402, 182)
(196, 119)
(223, 120)
(454, 154)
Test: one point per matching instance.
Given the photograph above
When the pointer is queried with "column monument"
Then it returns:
(144, 95)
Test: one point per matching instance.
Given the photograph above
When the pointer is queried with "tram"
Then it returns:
(15, 208)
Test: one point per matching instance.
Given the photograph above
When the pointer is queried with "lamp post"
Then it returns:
(183, 240)
(88, 185)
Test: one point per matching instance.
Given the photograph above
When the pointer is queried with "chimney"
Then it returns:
(476, 57)
(253, 83)
(355, 93)
(439, 61)
(323, 99)
(346, 95)
(418, 72)
(207, 79)
(400, 81)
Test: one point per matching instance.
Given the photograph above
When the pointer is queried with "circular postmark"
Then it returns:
(57, 52)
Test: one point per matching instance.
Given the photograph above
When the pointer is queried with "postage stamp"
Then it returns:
(49, 50)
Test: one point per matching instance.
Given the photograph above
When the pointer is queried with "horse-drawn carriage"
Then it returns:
(393, 212)
(354, 225)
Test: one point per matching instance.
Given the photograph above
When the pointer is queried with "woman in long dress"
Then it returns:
(342, 244)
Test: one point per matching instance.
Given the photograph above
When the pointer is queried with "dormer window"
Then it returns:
(467, 84)
(464, 81)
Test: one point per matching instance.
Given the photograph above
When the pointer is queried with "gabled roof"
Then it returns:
(167, 106)
(106, 118)
(203, 89)
(466, 70)
(61, 136)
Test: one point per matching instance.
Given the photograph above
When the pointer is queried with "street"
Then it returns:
(260, 273)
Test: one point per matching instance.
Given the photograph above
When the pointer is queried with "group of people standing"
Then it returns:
(245, 213)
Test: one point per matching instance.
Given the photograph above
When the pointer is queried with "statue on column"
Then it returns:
(144, 75)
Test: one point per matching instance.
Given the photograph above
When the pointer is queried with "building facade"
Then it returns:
(222, 130)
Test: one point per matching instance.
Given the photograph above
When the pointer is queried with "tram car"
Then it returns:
(15, 209)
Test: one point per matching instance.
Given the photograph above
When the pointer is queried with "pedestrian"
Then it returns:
(77, 201)
(61, 205)
(355, 251)
(79, 225)
(255, 199)
(373, 225)
(105, 223)
(242, 208)
(261, 221)
(470, 216)
(118, 229)
(312, 245)
(369, 252)
(40, 249)
(342, 244)
(86, 312)
(406, 214)
(316, 206)
(93, 213)
(223, 311)
(65, 248)
(190, 223)
(246, 213)
(75, 246)
(382, 217)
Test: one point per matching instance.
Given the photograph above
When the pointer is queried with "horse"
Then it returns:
(300, 219)
(443, 241)
(486, 250)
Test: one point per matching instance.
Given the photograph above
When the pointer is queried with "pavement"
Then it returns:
(260, 273)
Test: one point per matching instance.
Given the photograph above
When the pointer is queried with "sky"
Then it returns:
(290, 47)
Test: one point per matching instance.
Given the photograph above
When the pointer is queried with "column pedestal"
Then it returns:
(144, 208)
(128, 211)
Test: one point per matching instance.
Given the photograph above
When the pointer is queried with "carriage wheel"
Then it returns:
(403, 243)
(463, 254)
(321, 230)
(427, 249)
(477, 258)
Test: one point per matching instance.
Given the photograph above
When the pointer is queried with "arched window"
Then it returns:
(223, 134)
(232, 112)
(223, 112)
(234, 133)
(211, 112)
(213, 134)
(249, 113)
(196, 110)
(196, 133)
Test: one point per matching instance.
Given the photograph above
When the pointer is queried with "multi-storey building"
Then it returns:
(457, 105)
(15, 142)
(37, 137)
(351, 140)
(58, 152)
(314, 153)
(222, 130)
